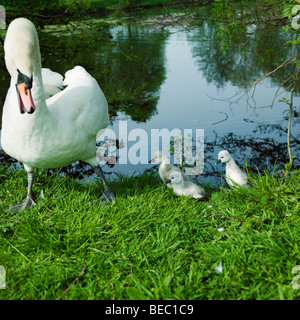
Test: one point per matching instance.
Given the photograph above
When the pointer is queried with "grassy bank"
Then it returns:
(149, 244)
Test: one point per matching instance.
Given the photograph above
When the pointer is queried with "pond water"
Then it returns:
(178, 78)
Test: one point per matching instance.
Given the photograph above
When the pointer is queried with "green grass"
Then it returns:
(149, 244)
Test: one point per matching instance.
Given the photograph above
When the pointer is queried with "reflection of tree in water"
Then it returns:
(130, 67)
(134, 78)
(242, 64)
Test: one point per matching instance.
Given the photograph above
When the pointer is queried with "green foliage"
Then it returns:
(30, 4)
(35, 10)
(288, 10)
(235, 18)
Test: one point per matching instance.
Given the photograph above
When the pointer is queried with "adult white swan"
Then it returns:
(48, 133)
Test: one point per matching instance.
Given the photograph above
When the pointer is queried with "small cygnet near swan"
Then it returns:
(182, 187)
(234, 175)
(165, 168)
(55, 132)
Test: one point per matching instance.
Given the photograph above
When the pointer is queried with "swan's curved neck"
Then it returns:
(22, 55)
(38, 93)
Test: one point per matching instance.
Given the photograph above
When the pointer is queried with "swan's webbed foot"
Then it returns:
(107, 197)
(28, 202)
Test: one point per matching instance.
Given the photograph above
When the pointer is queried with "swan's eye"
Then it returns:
(22, 78)
(23, 86)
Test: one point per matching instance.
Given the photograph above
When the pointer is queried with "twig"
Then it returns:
(223, 215)
(82, 273)
(226, 117)
(286, 62)
(290, 121)
(253, 85)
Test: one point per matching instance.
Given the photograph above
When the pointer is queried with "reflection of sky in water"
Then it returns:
(187, 101)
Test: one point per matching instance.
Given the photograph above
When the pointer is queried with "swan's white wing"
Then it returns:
(52, 82)
(82, 101)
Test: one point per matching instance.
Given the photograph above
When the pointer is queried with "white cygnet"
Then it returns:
(185, 188)
(165, 168)
(234, 175)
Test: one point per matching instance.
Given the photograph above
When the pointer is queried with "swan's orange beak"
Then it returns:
(26, 101)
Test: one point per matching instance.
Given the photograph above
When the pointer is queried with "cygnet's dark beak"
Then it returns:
(153, 161)
(168, 181)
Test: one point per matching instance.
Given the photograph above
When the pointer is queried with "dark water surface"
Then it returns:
(179, 78)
